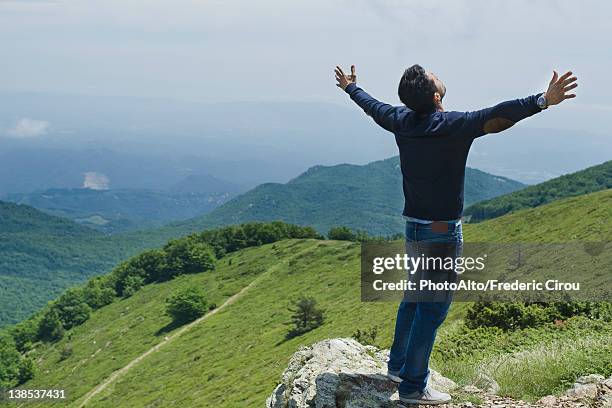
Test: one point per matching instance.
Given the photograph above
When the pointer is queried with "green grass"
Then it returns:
(242, 369)
(583, 218)
(127, 328)
(527, 363)
(553, 367)
(235, 357)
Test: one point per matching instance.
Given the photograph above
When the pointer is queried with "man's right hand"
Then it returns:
(343, 79)
(558, 88)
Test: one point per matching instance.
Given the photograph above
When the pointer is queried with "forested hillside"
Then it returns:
(41, 255)
(367, 198)
(581, 182)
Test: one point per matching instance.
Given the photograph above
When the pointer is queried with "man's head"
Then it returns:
(421, 91)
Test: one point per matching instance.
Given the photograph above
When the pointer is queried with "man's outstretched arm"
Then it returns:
(504, 115)
(384, 115)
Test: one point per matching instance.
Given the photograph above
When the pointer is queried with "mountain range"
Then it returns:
(367, 198)
(40, 255)
(129, 353)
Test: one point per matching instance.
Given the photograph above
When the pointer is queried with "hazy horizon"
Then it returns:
(132, 75)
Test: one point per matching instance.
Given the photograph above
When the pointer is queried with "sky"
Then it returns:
(276, 50)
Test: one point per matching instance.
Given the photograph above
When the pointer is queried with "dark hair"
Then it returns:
(416, 90)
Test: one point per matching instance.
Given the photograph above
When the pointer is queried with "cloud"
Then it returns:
(28, 128)
(95, 181)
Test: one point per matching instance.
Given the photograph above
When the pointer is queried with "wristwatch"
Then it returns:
(542, 102)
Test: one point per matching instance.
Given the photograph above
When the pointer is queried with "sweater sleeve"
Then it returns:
(497, 118)
(385, 115)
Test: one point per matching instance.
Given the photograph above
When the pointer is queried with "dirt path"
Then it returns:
(119, 373)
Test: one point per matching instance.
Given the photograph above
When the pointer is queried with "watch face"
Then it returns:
(541, 102)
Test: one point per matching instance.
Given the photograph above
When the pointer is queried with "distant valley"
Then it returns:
(122, 210)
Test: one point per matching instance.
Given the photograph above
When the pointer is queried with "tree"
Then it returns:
(25, 334)
(341, 234)
(186, 255)
(9, 362)
(186, 305)
(50, 327)
(72, 309)
(99, 292)
(131, 284)
(151, 264)
(306, 316)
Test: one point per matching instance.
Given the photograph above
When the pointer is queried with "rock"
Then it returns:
(582, 391)
(276, 399)
(605, 393)
(548, 401)
(340, 373)
(486, 383)
(590, 390)
(471, 389)
(585, 386)
(590, 379)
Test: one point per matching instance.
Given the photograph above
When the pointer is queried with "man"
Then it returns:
(433, 146)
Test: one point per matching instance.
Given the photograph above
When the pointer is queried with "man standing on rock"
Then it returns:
(433, 146)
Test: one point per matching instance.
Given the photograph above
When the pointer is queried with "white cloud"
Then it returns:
(96, 181)
(27, 128)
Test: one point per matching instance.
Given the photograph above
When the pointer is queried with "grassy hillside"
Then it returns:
(41, 255)
(120, 210)
(234, 357)
(582, 218)
(365, 198)
(586, 181)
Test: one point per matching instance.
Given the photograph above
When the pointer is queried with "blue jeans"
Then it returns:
(418, 320)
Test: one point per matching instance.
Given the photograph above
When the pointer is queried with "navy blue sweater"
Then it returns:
(434, 148)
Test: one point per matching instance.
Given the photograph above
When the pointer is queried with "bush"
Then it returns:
(485, 341)
(341, 234)
(186, 305)
(367, 336)
(306, 317)
(65, 352)
(511, 316)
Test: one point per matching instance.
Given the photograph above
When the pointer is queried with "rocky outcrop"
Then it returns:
(342, 373)
(588, 391)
